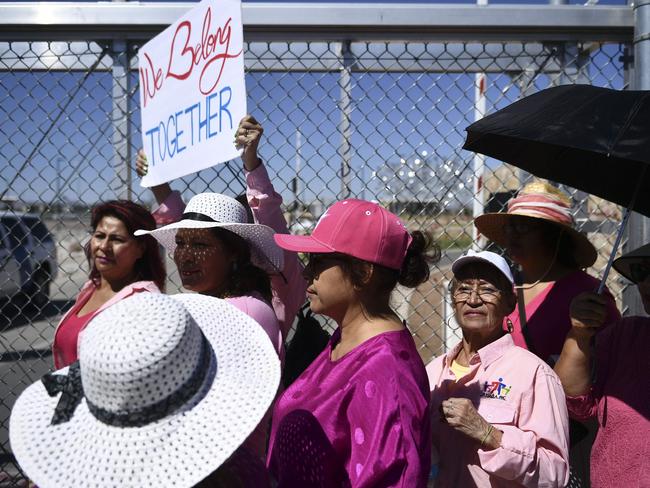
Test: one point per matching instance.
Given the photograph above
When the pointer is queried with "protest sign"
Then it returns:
(192, 91)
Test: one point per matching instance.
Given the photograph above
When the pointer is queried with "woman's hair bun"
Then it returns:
(421, 254)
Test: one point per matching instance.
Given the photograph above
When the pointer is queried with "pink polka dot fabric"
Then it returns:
(359, 421)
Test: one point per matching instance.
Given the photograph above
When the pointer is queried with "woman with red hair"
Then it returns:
(120, 266)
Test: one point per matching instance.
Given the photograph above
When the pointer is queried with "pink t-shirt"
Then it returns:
(67, 336)
(621, 401)
(518, 394)
(359, 421)
(547, 315)
(264, 315)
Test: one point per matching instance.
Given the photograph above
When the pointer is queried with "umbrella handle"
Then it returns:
(610, 261)
(626, 216)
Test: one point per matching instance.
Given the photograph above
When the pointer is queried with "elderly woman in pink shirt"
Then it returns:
(499, 416)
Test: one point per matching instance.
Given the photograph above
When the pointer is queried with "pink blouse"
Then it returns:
(67, 336)
(547, 315)
(263, 314)
(621, 401)
(359, 421)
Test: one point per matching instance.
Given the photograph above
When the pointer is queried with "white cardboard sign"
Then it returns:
(192, 91)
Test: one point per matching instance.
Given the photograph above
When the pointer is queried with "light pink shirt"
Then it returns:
(518, 394)
(265, 203)
(288, 291)
(263, 314)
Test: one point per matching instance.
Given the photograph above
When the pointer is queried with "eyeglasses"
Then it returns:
(487, 293)
(639, 272)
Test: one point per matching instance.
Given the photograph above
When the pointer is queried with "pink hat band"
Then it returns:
(537, 205)
(356, 228)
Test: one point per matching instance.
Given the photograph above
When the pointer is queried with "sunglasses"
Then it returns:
(520, 227)
(639, 272)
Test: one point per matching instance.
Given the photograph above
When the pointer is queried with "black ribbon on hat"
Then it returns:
(138, 417)
(71, 389)
(197, 216)
(72, 393)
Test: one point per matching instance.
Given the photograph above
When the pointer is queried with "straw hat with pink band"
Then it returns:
(543, 201)
(358, 228)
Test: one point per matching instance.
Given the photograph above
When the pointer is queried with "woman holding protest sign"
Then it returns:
(219, 253)
(287, 284)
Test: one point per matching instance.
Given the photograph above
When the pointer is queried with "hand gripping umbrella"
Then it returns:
(590, 138)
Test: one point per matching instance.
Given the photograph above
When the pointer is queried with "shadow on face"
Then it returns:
(203, 261)
(641, 275)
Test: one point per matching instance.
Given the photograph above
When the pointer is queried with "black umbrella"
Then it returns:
(593, 139)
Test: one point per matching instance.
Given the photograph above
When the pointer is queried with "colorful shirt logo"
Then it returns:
(496, 389)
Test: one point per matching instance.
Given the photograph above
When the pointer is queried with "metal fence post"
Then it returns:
(574, 60)
(638, 229)
(120, 120)
(345, 105)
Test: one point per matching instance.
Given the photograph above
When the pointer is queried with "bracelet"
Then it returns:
(487, 434)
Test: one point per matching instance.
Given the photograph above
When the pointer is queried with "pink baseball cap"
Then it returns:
(357, 228)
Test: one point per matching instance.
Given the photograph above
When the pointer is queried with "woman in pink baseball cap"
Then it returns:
(358, 415)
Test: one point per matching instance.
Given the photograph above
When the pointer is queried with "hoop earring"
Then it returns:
(509, 325)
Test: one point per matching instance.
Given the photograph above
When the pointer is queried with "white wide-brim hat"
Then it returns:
(209, 210)
(234, 391)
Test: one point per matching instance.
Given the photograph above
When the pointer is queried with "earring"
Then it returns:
(509, 326)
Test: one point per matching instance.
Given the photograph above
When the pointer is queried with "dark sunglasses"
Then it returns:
(320, 262)
(520, 227)
(639, 272)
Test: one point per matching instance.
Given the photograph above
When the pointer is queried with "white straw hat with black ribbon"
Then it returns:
(208, 210)
(165, 390)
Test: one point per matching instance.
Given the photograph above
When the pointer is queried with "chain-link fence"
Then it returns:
(374, 120)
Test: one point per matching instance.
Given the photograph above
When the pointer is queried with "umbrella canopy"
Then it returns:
(593, 139)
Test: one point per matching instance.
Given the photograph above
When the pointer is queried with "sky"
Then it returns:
(65, 120)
